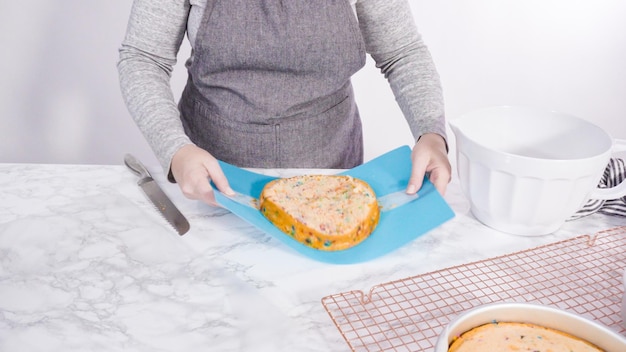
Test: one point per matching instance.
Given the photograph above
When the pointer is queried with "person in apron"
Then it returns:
(269, 87)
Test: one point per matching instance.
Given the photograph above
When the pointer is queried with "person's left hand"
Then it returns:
(429, 155)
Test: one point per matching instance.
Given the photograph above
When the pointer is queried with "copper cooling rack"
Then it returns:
(581, 275)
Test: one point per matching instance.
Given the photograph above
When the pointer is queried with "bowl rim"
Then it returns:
(473, 143)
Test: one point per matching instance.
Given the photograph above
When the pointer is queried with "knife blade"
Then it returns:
(156, 195)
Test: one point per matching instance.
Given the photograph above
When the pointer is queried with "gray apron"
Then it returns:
(269, 86)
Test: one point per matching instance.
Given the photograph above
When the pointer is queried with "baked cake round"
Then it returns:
(326, 212)
(507, 336)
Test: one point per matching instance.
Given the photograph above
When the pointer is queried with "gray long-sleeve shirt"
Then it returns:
(156, 29)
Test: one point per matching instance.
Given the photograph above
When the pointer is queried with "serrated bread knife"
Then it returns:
(156, 195)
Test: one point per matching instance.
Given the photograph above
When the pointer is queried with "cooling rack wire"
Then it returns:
(582, 275)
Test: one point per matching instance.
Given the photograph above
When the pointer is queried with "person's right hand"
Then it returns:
(193, 168)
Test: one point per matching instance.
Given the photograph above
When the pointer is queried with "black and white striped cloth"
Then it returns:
(614, 173)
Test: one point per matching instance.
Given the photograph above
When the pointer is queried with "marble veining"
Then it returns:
(86, 264)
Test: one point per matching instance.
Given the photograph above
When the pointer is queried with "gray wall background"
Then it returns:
(60, 100)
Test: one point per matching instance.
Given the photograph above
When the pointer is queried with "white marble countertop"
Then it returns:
(86, 264)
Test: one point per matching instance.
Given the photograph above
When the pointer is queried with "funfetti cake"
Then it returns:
(506, 336)
(325, 212)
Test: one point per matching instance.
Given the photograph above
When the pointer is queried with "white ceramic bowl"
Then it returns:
(525, 171)
(554, 318)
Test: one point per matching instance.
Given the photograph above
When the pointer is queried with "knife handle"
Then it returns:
(136, 166)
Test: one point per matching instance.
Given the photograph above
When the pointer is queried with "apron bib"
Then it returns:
(269, 86)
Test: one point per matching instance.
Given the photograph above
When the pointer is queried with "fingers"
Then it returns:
(439, 180)
(417, 175)
(219, 179)
(195, 185)
(430, 156)
(193, 168)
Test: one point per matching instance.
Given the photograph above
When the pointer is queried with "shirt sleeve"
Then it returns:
(393, 41)
(147, 56)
